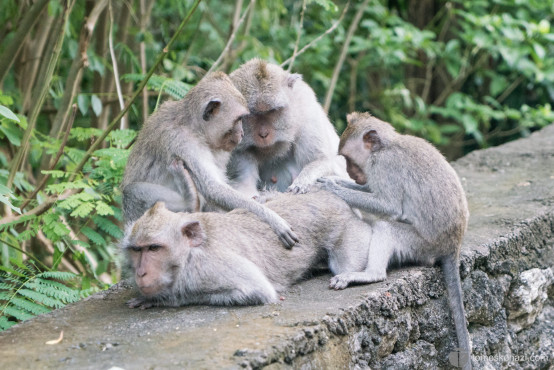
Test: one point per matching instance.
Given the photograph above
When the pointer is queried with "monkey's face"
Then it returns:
(157, 248)
(265, 128)
(356, 154)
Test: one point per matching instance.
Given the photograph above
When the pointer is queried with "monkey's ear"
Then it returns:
(211, 108)
(372, 141)
(194, 233)
(292, 78)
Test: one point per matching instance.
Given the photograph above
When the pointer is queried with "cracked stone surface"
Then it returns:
(507, 269)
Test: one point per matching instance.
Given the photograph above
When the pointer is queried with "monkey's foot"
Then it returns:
(297, 188)
(341, 281)
(140, 302)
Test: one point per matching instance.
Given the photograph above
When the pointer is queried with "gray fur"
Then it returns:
(196, 133)
(239, 261)
(417, 195)
(305, 142)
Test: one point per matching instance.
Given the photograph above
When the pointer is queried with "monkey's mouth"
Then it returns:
(149, 290)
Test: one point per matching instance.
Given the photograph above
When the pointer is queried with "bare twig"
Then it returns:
(299, 34)
(510, 89)
(56, 159)
(345, 46)
(115, 70)
(231, 38)
(314, 41)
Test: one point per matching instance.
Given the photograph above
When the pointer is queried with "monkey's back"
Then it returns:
(321, 220)
(434, 190)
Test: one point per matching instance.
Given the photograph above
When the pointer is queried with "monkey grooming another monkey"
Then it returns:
(408, 182)
(196, 134)
(288, 140)
(233, 258)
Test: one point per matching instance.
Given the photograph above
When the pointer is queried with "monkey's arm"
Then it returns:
(359, 196)
(217, 191)
(314, 170)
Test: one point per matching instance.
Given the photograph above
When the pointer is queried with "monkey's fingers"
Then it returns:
(289, 239)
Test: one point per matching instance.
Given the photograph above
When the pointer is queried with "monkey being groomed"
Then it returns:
(418, 195)
(234, 258)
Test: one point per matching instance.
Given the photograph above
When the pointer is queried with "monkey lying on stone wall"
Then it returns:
(234, 258)
(408, 182)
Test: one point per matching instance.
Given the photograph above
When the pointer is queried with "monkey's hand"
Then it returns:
(298, 188)
(283, 230)
(140, 302)
(329, 184)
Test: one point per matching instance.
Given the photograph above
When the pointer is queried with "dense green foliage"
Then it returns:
(462, 74)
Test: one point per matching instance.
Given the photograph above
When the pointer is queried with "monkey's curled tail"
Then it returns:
(451, 272)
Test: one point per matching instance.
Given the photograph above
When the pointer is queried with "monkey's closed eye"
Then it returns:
(135, 249)
(154, 248)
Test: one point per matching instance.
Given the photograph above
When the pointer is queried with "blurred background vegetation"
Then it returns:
(462, 74)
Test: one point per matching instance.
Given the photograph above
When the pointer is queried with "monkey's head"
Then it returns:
(156, 245)
(364, 137)
(268, 89)
(218, 109)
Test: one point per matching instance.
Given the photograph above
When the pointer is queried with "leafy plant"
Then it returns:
(26, 292)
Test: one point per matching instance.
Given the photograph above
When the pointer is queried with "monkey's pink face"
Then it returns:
(354, 153)
(261, 127)
(355, 172)
(152, 274)
(233, 136)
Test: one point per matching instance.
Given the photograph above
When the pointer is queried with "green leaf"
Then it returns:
(6, 112)
(93, 236)
(82, 210)
(96, 105)
(83, 102)
(103, 209)
(12, 132)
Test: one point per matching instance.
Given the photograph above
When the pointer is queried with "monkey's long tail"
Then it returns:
(451, 272)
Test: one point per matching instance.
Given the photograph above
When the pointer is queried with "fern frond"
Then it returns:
(57, 275)
(93, 236)
(41, 298)
(5, 323)
(108, 227)
(19, 314)
(27, 305)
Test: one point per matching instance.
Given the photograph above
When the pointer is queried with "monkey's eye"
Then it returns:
(154, 247)
(135, 249)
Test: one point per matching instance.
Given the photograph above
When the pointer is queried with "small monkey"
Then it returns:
(233, 258)
(419, 197)
(194, 136)
(288, 140)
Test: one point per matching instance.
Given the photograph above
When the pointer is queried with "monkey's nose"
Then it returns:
(263, 135)
(141, 273)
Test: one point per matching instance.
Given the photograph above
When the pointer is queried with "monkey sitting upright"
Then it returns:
(288, 140)
(196, 133)
(234, 258)
(408, 182)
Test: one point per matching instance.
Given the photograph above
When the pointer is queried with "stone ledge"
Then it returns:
(402, 323)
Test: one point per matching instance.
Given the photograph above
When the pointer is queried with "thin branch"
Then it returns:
(10, 245)
(115, 70)
(510, 89)
(342, 57)
(231, 38)
(299, 33)
(39, 97)
(24, 28)
(316, 40)
(40, 186)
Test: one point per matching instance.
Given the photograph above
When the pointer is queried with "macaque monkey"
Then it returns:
(233, 258)
(418, 195)
(288, 140)
(194, 136)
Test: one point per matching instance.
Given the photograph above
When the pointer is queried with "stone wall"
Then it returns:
(402, 323)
